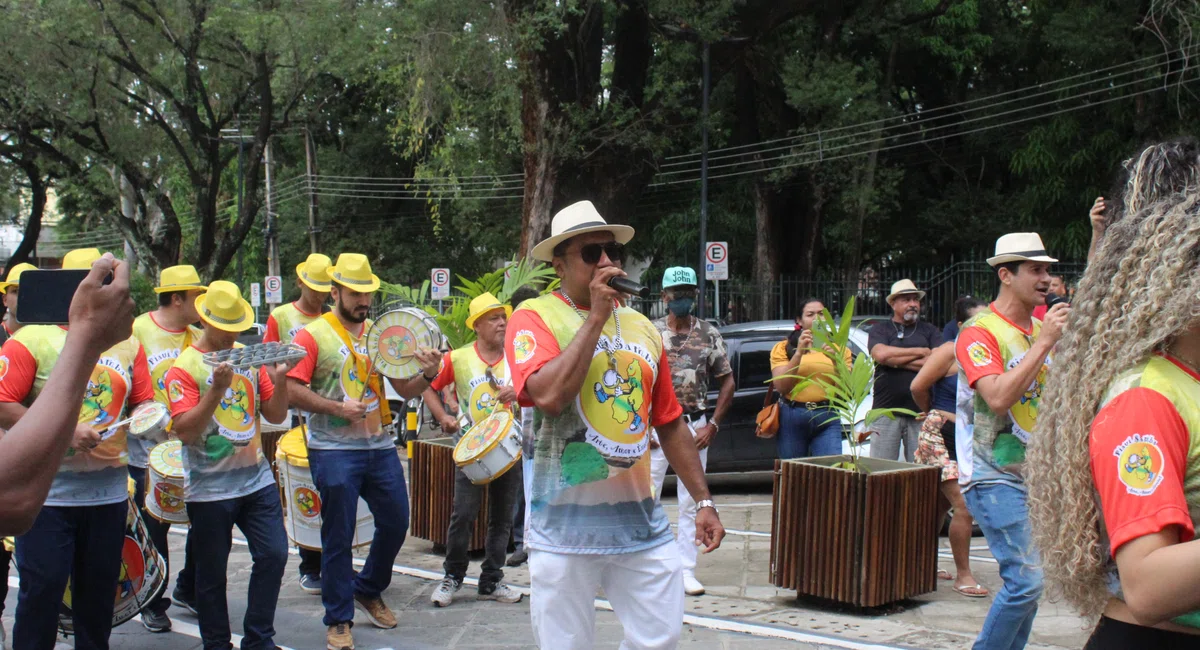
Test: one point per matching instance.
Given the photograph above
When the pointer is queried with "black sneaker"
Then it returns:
(518, 558)
(310, 584)
(156, 621)
(183, 601)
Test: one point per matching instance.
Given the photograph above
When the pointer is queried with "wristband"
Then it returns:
(427, 378)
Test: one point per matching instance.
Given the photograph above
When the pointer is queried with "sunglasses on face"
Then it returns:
(590, 253)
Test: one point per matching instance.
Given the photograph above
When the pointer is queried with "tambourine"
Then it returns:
(146, 421)
(396, 336)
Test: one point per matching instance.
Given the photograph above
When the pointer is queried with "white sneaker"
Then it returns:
(692, 586)
(444, 594)
(3, 638)
(502, 593)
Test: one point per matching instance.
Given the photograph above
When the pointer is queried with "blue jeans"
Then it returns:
(82, 544)
(1003, 515)
(259, 516)
(341, 477)
(805, 433)
(158, 533)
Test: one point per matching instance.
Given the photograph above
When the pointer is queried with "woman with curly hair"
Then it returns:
(1114, 467)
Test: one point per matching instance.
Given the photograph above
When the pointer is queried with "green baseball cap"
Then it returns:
(677, 275)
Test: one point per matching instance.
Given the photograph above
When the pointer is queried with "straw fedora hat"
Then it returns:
(1020, 247)
(577, 219)
(904, 287)
(353, 271)
(224, 308)
(178, 278)
(483, 304)
(14, 276)
(80, 258)
(314, 272)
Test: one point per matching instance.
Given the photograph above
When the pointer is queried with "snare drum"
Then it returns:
(490, 448)
(149, 420)
(302, 501)
(143, 577)
(164, 483)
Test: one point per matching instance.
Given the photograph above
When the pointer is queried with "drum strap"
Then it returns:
(360, 363)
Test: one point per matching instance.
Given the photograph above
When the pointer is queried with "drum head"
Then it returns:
(293, 446)
(483, 436)
(167, 459)
(148, 418)
(396, 336)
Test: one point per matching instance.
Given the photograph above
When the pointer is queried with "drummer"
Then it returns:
(163, 333)
(86, 510)
(479, 375)
(285, 321)
(10, 289)
(227, 482)
(349, 452)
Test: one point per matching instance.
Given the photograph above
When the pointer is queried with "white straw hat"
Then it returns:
(904, 287)
(577, 219)
(1020, 247)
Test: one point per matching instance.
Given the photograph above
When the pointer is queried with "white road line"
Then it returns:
(946, 555)
(748, 533)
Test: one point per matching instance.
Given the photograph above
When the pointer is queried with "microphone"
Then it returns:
(1054, 299)
(625, 285)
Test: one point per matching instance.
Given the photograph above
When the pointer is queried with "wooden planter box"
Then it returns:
(431, 492)
(860, 539)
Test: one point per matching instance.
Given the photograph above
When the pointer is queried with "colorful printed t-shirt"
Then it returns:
(227, 460)
(466, 370)
(331, 371)
(812, 365)
(989, 344)
(286, 321)
(590, 491)
(696, 356)
(120, 380)
(1145, 455)
(162, 347)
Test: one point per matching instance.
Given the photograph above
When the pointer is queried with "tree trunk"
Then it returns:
(766, 251)
(27, 249)
(541, 169)
(867, 192)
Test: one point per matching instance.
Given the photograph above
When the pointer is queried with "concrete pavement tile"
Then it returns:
(493, 632)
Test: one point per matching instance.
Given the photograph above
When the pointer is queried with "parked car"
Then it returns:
(736, 448)
(253, 335)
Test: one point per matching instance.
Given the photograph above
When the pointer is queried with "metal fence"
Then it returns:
(748, 301)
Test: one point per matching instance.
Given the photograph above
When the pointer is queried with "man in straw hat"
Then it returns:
(598, 374)
(899, 346)
(11, 290)
(164, 333)
(1003, 353)
(226, 480)
(349, 452)
(285, 321)
(480, 377)
(85, 512)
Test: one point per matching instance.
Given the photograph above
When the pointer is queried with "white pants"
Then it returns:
(685, 531)
(645, 590)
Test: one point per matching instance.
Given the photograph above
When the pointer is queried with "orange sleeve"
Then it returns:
(779, 355)
(528, 345)
(978, 354)
(182, 390)
(17, 371)
(1139, 448)
(266, 387)
(272, 334)
(664, 406)
(303, 370)
(445, 375)
(143, 386)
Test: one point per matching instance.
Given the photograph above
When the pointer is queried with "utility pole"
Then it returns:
(310, 166)
(271, 234)
(700, 268)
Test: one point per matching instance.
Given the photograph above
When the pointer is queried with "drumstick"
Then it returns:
(367, 378)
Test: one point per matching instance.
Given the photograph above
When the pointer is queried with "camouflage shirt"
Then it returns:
(694, 357)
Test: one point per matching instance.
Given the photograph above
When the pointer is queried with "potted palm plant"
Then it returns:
(851, 529)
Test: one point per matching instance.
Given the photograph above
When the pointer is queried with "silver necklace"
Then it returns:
(604, 345)
(900, 330)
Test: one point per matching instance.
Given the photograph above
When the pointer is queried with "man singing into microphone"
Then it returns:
(597, 373)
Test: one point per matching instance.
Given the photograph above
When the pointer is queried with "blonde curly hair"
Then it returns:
(1138, 293)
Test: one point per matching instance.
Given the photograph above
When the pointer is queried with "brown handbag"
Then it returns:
(767, 420)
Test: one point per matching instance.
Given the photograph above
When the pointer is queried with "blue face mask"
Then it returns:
(681, 306)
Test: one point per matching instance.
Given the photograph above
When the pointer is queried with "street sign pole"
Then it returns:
(716, 268)
(439, 285)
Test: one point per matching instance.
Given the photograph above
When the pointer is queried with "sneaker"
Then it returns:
(310, 584)
(444, 594)
(518, 558)
(378, 613)
(501, 593)
(3, 638)
(692, 586)
(184, 601)
(156, 621)
(338, 637)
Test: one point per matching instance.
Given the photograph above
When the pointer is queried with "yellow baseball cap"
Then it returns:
(14, 274)
(178, 278)
(81, 258)
(353, 271)
(483, 304)
(224, 308)
(314, 272)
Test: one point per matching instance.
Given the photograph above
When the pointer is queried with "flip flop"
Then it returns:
(963, 591)
(944, 575)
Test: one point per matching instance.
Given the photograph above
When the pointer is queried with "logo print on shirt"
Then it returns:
(175, 391)
(524, 346)
(235, 412)
(1140, 464)
(104, 396)
(3, 367)
(979, 354)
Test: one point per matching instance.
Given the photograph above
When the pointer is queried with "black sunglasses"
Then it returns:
(590, 253)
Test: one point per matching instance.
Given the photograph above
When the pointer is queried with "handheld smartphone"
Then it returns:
(46, 295)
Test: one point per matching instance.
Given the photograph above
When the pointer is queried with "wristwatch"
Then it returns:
(707, 503)
(716, 427)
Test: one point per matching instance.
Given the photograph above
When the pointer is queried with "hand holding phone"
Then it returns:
(95, 303)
